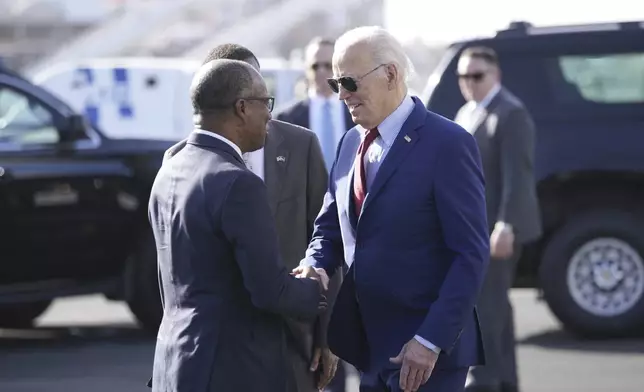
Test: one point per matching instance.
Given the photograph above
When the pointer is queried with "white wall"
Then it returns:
(443, 21)
(74, 11)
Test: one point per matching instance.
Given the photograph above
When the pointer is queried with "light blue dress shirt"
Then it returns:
(327, 121)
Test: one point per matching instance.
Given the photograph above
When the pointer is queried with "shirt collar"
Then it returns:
(317, 98)
(223, 139)
(490, 96)
(390, 126)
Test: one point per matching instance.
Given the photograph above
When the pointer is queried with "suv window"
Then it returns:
(24, 121)
(604, 79)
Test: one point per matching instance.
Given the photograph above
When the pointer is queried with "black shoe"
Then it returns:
(509, 388)
(481, 388)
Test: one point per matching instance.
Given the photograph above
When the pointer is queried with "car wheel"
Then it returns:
(592, 274)
(21, 315)
(144, 298)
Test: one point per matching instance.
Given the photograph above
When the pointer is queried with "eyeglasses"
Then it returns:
(316, 66)
(347, 82)
(268, 101)
(475, 76)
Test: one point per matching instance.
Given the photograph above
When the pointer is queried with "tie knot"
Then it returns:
(371, 135)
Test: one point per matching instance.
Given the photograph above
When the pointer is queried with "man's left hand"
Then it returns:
(318, 274)
(417, 364)
(502, 241)
(329, 362)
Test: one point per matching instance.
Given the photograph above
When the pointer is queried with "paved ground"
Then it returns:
(89, 344)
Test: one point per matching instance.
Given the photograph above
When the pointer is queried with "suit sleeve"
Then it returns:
(248, 225)
(459, 193)
(325, 249)
(516, 139)
(318, 179)
(316, 188)
(172, 151)
(284, 116)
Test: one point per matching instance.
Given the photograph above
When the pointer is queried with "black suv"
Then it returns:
(584, 86)
(73, 208)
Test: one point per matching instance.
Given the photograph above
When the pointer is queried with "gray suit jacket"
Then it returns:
(505, 134)
(224, 286)
(296, 180)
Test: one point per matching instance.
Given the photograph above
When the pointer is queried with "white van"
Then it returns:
(148, 98)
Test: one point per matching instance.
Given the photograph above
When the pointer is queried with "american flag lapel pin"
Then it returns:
(407, 138)
(281, 158)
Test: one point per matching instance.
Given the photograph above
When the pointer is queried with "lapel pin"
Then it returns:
(281, 158)
(407, 138)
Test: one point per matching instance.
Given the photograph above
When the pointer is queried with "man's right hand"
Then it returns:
(318, 274)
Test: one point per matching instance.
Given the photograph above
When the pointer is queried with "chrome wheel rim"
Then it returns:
(606, 277)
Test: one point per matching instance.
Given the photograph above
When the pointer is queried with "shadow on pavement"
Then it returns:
(104, 358)
(561, 340)
(42, 337)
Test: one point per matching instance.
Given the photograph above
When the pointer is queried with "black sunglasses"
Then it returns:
(475, 76)
(316, 66)
(347, 82)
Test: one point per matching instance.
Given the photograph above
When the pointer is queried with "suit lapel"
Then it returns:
(351, 209)
(302, 115)
(482, 115)
(200, 139)
(275, 161)
(478, 116)
(403, 144)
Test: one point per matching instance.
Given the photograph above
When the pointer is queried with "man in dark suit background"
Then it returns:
(292, 167)
(329, 118)
(321, 111)
(505, 135)
(224, 287)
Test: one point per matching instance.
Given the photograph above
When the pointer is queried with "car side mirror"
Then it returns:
(75, 128)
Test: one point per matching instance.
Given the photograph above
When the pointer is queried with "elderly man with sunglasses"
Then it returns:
(405, 210)
(505, 134)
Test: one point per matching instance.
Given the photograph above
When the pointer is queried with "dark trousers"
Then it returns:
(497, 325)
(441, 380)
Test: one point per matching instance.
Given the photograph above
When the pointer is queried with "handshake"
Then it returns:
(318, 274)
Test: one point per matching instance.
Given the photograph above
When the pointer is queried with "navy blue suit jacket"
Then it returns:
(225, 290)
(419, 249)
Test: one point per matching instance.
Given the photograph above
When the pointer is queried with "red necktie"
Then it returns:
(359, 177)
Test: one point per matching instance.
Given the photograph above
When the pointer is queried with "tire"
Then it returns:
(21, 315)
(144, 298)
(592, 274)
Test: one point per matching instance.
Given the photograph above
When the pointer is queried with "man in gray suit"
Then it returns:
(292, 166)
(505, 135)
(224, 287)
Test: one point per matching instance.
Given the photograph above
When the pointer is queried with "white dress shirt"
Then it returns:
(473, 109)
(223, 139)
(255, 162)
(388, 130)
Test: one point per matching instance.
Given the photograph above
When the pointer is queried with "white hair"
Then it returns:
(384, 48)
